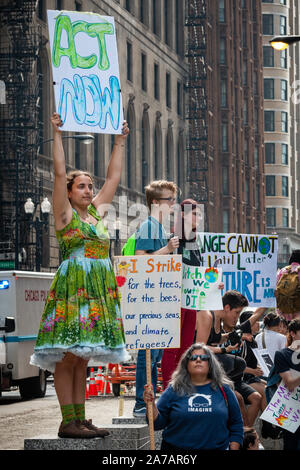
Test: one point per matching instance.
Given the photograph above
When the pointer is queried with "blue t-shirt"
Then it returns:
(151, 236)
(200, 421)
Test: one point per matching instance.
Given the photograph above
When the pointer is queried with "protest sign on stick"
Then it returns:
(150, 288)
(85, 71)
(200, 288)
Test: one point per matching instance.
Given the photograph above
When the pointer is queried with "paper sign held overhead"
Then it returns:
(85, 71)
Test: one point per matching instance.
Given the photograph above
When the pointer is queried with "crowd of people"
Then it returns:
(214, 388)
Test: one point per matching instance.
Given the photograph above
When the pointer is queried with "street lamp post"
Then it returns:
(37, 223)
(282, 42)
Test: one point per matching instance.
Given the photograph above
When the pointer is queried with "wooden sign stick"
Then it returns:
(149, 405)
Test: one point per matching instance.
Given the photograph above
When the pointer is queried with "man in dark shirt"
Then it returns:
(249, 394)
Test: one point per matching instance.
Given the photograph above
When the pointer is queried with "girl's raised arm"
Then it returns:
(114, 170)
(62, 208)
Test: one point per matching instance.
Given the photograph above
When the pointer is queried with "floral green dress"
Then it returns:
(82, 313)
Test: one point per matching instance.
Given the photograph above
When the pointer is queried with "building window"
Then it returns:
(284, 154)
(285, 217)
(129, 61)
(245, 112)
(268, 25)
(78, 5)
(283, 2)
(179, 27)
(269, 121)
(282, 25)
(223, 93)
(226, 221)
(256, 157)
(246, 191)
(268, 56)
(269, 88)
(156, 17)
(222, 51)
(257, 196)
(144, 12)
(267, 1)
(77, 154)
(129, 5)
(168, 90)
(283, 59)
(270, 185)
(179, 98)
(168, 17)
(224, 138)
(144, 71)
(225, 180)
(222, 16)
(285, 186)
(271, 216)
(270, 152)
(284, 90)
(156, 81)
(284, 121)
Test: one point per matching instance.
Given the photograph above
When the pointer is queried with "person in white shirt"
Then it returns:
(270, 338)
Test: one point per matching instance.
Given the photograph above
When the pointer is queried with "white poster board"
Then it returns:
(264, 360)
(150, 288)
(200, 288)
(85, 71)
(284, 408)
(249, 264)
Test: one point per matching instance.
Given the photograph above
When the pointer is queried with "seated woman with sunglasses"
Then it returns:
(198, 410)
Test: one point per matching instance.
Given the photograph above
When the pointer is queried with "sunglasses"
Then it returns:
(203, 357)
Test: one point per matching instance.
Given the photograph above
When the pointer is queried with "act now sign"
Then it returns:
(85, 71)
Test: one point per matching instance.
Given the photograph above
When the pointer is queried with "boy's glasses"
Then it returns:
(203, 357)
(170, 199)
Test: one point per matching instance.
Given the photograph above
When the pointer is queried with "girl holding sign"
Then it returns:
(189, 220)
(82, 317)
(186, 224)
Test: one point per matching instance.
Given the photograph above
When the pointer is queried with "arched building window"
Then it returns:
(145, 146)
(131, 147)
(157, 150)
(170, 154)
(180, 162)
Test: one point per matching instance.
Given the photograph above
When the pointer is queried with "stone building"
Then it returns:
(282, 121)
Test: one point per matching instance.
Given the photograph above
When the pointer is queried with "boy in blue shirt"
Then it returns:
(152, 238)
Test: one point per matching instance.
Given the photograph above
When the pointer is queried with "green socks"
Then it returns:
(72, 412)
(80, 411)
(68, 413)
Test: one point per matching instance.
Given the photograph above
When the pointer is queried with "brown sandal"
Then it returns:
(75, 430)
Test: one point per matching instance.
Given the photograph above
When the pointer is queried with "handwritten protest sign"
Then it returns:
(284, 408)
(249, 264)
(85, 71)
(150, 289)
(200, 288)
(264, 360)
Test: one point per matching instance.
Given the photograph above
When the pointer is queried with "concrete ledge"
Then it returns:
(53, 443)
(122, 437)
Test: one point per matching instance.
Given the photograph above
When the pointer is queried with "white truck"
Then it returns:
(22, 299)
